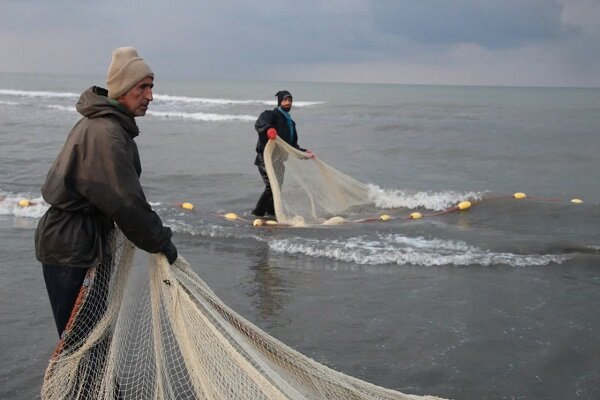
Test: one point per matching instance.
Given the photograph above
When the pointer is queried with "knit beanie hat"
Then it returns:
(126, 69)
(282, 95)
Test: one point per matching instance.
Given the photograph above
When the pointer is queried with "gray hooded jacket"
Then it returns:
(93, 184)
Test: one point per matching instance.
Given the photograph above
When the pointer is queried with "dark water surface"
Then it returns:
(499, 302)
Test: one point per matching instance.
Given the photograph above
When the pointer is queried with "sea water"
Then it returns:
(499, 301)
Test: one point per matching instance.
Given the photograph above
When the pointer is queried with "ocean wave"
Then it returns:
(204, 100)
(35, 93)
(9, 103)
(436, 201)
(160, 97)
(219, 101)
(62, 108)
(376, 249)
(402, 250)
(11, 204)
(200, 116)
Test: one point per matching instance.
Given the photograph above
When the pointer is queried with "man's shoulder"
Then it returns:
(269, 112)
(106, 122)
(273, 114)
(104, 128)
(265, 116)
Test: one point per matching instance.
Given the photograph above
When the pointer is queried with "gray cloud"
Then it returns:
(329, 40)
(490, 24)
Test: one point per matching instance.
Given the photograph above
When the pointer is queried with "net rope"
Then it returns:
(307, 190)
(161, 333)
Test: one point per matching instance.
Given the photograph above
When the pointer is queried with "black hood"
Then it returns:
(282, 95)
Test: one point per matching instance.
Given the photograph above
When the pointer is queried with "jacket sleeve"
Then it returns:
(263, 123)
(111, 183)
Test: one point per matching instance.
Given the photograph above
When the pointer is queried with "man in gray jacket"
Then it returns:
(94, 185)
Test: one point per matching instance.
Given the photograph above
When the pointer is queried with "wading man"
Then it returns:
(269, 125)
(93, 186)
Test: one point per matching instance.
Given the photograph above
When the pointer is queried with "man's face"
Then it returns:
(137, 99)
(286, 104)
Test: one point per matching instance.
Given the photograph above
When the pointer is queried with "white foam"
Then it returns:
(204, 100)
(219, 101)
(436, 201)
(200, 116)
(9, 103)
(34, 93)
(62, 108)
(412, 251)
(9, 205)
(160, 97)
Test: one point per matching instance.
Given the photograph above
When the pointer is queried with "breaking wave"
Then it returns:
(165, 106)
(35, 93)
(436, 201)
(221, 102)
(401, 250)
(200, 116)
(158, 97)
(9, 205)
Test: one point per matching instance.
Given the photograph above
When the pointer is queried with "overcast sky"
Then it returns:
(456, 42)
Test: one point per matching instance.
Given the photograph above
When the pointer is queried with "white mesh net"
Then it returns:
(307, 190)
(163, 334)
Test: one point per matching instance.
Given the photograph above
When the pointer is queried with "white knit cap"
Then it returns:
(126, 69)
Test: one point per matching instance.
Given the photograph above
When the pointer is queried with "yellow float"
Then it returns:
(231, 216)
(464, 205)
(519, 195)
(257, 222)
(187, 206)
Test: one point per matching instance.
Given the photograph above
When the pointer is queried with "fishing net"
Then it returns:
(307, 190)
(161, 333)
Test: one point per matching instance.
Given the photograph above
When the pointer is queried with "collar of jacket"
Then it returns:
(94, 104)
(289, 120)
(133, 130)
(120, 106)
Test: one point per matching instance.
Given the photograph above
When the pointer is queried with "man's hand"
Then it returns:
(310, 154)
(271, 133)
